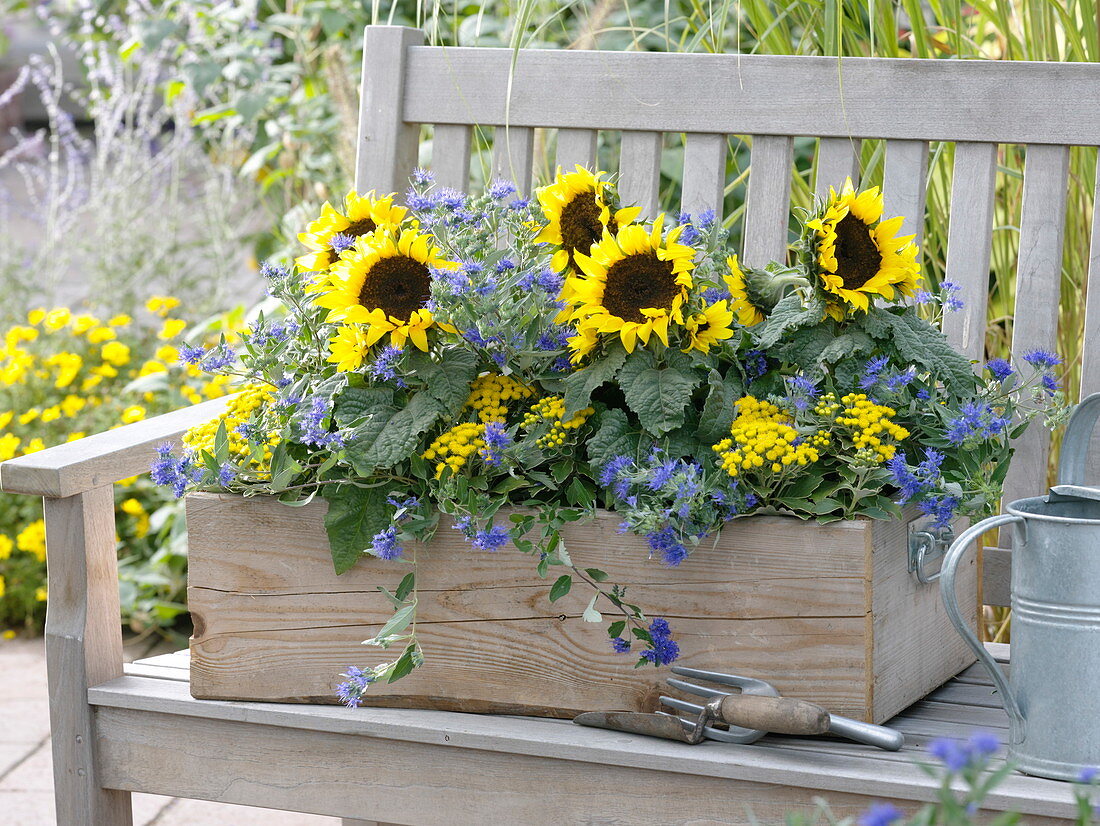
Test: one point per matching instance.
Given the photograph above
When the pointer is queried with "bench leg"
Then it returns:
(83, 649)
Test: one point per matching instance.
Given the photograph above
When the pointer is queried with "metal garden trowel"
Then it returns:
(749, 715)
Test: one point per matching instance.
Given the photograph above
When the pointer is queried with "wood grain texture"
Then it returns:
(102, 459)
(837, 159)
(576, 146)
(760, 95)
(1038, 288)
(83, 649)
(916, 648)
(451, 156)
(640, 170)
(387, 146)
(969, 242)
(156, 735)
(704, 180)
(513, 155)
(769, 199)
(780, 598)
(905, 184)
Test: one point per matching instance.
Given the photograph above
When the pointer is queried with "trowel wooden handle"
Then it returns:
(781, 715)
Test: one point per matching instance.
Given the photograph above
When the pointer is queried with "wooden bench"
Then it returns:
(118, 730)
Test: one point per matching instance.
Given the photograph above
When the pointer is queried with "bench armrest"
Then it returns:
(102, 459)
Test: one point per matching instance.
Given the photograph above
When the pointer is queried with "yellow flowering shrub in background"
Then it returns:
(65, 374)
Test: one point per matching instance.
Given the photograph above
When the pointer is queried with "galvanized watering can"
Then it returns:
(1053, 697)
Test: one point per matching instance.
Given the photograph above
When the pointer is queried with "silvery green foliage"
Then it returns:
(129, 205)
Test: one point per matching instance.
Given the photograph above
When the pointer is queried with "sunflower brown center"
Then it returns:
(580, 224)
(637, 282)
(857, 256)
(361, 227)
(398, 285)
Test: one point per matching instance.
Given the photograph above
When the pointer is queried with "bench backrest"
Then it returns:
(978, 105)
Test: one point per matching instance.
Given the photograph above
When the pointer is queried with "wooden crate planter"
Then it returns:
(828, 613)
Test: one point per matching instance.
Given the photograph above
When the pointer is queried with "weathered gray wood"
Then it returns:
(837, 159)
(513, 154)
(451, 156)
(996, 576)
(969, 242)
(83, 649)
(767, 210)
(576, 146)
(969, 100)
(905, 184)
(236, 732)
(640, 170)
(1090, 356)
(76, 467)
(704, 179)
(1038, 286)
(386, 151)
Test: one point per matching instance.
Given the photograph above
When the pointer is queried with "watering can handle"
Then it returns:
(951, 602)
(1075, 443)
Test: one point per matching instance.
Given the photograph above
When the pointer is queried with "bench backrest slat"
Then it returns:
(451, 155)
(837, 159)
(576, 146)
(905, 184)
(971, 218)
(640, 170)
(767, 101)
(768, 204)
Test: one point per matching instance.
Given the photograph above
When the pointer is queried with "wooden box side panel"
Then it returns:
(773, 597)
(916, 648)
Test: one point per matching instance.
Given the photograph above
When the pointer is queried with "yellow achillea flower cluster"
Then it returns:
(238, 412)
(872, 428)
(491, 394)
(761, 436)
(453, 447)
(552, 409)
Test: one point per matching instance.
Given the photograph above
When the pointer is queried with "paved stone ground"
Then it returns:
(26, 779)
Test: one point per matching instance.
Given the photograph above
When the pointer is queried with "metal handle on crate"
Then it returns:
(927, 544)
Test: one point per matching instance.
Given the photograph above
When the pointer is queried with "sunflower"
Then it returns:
(348, 348)
(858, 253)
(385, 281)
(583, 343)
(577, 212)
(707, 328)
(748, 313)
(362, 215)
(634, 284)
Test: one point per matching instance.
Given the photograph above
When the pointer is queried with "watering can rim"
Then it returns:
(1014, 508)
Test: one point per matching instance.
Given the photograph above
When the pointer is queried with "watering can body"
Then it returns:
(1053, 695)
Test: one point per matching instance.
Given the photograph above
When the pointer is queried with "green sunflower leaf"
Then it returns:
(354, 516)
(718, 411)
(580, 385)
(659, 397)
(919, 343)
(447, 382)
(389, 435)
(613, 438)
(356, 403)
(789, 314)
